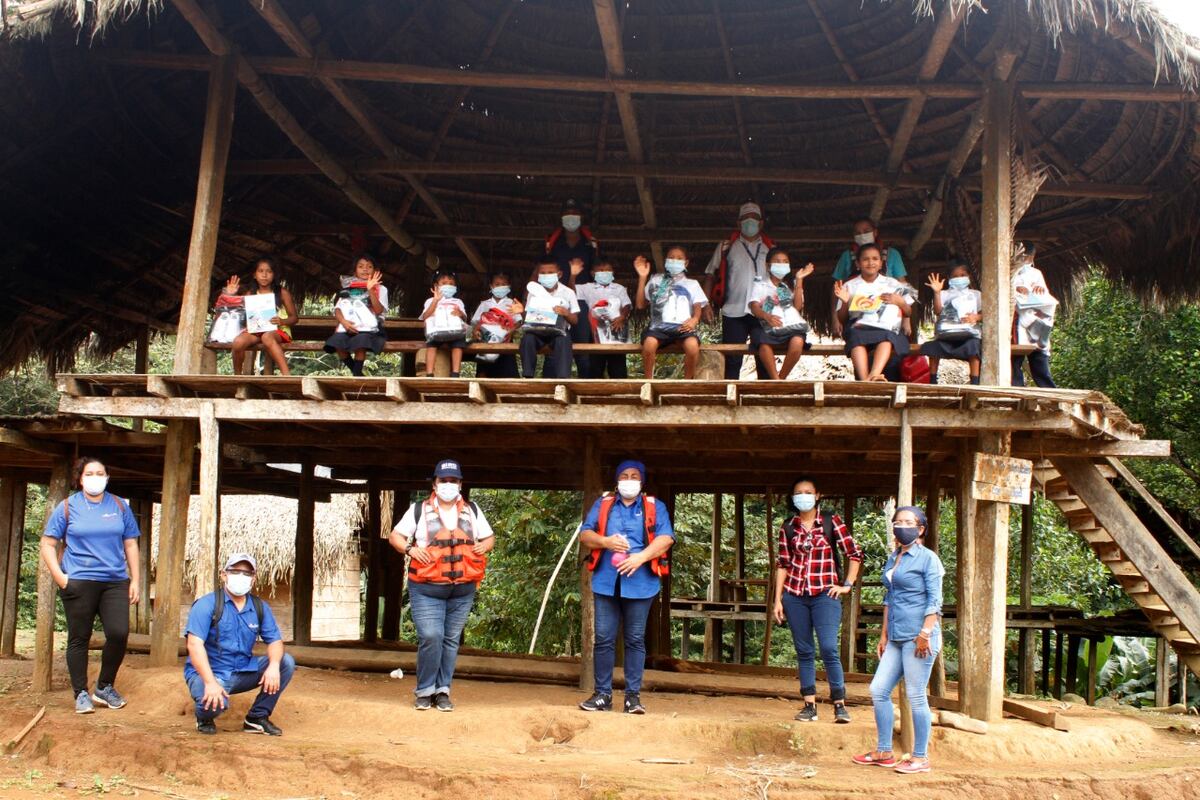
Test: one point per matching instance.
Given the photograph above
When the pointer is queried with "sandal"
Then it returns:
(869, 760)
(911, 766)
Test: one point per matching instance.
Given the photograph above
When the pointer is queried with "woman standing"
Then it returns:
(808, 589)
(911, 639)
(447, 541)
(98, 574)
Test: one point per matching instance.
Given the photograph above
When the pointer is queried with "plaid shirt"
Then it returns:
(808, 558)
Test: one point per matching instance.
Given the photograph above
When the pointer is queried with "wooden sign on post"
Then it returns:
(1001, 479)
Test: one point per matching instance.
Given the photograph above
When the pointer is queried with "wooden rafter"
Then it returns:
(738, 115)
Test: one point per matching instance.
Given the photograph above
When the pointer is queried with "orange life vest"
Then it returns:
(659, 565)
(718, 293)
(557, 233)
(453, 559)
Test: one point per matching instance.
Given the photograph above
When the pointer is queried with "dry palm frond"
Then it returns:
(36, 18)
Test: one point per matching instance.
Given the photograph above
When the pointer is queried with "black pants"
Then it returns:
(82, 601)
(737, 330)
(1039, 368)
(613, 363)
(505, 366)
(558, 363)
(581, 333)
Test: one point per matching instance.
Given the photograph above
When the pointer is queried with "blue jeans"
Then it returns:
(439, 610)
(822, 614)
(246, 681)
(631, 615)
(900, 660)
(1039, 368)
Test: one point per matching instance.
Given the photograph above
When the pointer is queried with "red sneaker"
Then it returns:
(911, 766)
(870, 760)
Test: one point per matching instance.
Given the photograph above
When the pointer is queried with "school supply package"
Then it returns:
(1035, 314)
(229, 319)
(260, 310)
(354, 302)
(780, 304)
(957, 305)
(495, 327)
(443, 325)
(542, 312)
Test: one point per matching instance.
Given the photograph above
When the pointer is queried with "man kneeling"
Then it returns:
(221, 631)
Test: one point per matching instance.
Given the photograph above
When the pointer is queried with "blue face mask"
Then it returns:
(781, 271)
(549, 280)
(603, 278)
(675, 266)
(962, 282)
(750, 227)
(501, 292)
(905, 535)
(448, 290)
(804, 502)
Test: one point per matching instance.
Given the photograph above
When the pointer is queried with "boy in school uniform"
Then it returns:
(551, 308)
(607, 307)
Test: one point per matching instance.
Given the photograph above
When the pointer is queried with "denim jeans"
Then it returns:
(246, 681)
(1039, 368)
(821, 614)
(900, 660)
(631, 615)
(439, 610)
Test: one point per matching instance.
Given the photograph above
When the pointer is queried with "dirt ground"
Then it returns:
(350, 735)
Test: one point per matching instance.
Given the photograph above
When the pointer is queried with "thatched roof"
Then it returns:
(98, 157)
(265, 527)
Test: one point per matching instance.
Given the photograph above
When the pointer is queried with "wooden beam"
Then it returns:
(848, 68)
(15, 494)
(996, 226)
(178, 454)
(43, 647)
(208, 568)
(713, 627)
(302, 575)
(374, 562)
(1149, 499)
(1026, 644)
(1047, 718)
(593, 487)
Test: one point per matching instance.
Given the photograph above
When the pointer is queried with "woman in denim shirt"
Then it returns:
(912, 636)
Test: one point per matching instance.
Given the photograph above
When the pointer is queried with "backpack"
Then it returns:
(789, 529)
(219, 611)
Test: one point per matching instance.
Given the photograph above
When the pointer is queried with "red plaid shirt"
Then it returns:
(808, 557)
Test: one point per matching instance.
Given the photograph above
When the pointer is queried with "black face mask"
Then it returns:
(905, 535)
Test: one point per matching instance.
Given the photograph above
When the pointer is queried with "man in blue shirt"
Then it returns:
(220, 645)
(629, 534)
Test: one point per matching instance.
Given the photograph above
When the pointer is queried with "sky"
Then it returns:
(1184, 13)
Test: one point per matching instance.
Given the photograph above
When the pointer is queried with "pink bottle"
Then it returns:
(617, 558)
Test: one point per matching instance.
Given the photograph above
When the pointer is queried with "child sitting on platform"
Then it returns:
(608, 307)
(494, 322)
(778, 303)
(446, 323)
(676, 303)
(551, 308)
(957, 331)
(359, 311)
(278, 332)
(871, 308)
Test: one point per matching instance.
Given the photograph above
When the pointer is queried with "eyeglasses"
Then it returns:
(248, 572)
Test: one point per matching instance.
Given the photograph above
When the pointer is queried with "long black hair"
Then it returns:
(276, 278)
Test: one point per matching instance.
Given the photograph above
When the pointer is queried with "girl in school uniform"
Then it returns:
(676, 303)
(871, 309)
(494, 321)
(1033, 318)
(359, 311)
(446, 323)
(266, 281)
(778, 303)
(957, 332)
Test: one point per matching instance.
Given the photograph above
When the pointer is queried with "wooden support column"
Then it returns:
(593, 487)
(904, 497)
(12, 537)
(178, 455)
(1093, 668)
(1026, 645)
(43, 648)
(769, 593)
(933, 512)
(141, 365)
(996, 227)
(713, 630)
(209, 565)
(739, 590)
(139, 615)
(853, 602)
(665, 638)
(374, 564)
(1058, 664)
(1074, 645)
(304, 568)
(982, 596)
(1046, 634)
(393, 590)
(1162, 665)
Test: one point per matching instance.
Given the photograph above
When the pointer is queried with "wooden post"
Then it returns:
(769, 594)
(1093, 668)
(141, 365)
(178, 454)
(43, 648)
(12, 537)
(1046, 634)
(996, 227)
(374, 564)
(1181, 676)
(1026, 645)
(593, 487)
(304, 568)
(850, 609)
(393, 590)
(739, 591)
(141, 612)
(665, 643)
(933, 512)
(1058, 665)
(904, 497)
(1074, 644)
(207, 579)
(1162, 682)
(713, 632)
(982, 596)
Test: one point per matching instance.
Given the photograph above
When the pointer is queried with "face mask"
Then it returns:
(960, 283)
(750, 227)
(781, 271)
(571, 222)
(675, 266)
(905, 535)
(548, 281)
(448, 290)
(94, 484)
(447, 492)
(603, 278)
(804, 502)
(864, 238)
(501, 292)
(629, 489)
(239, 585)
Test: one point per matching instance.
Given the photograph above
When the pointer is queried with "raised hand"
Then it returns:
(232, 285)
(576, 267)
(805, 271)
(373, 281)
(841, 292)
(935, 282)
(641, 265)
(517, 307)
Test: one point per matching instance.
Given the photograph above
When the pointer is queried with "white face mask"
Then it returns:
(94, 484)
(571, 222)
(781, 270)
(750, 228)
(864, 238)
(629, 489)
(447, 492)
(239, 585)
(675, 266)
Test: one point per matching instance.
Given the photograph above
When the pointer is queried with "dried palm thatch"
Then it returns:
(92, 17)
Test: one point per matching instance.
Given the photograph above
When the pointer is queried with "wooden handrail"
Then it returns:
(1155, 506)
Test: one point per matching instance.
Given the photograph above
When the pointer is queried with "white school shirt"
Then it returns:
(616, 295)
(352, 309)
(489, 303)
(560, 292)
(692, 288)
(887, 316)
(745, 263)
(1028, 277)
(413, 522)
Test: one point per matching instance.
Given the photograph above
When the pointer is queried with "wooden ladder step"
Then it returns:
(1155, 606)
(1109, 552)
(1072, 505)
(1165, 621)
(1175, 634)
(1095, 536)
(1122, 567)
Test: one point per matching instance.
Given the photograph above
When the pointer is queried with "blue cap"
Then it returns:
(448, 469)
(628, 463)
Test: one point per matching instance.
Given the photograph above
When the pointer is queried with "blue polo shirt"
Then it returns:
(94, 537)
(629, 522)
(231, 648)
(562, 253)
(894, 268)
(912, 591)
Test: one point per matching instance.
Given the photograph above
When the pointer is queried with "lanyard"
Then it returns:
(752, 256)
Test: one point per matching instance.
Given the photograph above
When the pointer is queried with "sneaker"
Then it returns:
(423, 703)
(597, 702)
(868, 759)
(108, 696)
(261, 725)
(442, 702)
(633, 703)
(83, 703)
(911, 766)
(206, 726)
(808, 713)
(840, 715)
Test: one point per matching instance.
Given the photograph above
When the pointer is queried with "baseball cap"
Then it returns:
(237, 558)
(447, 469)
(748, 209)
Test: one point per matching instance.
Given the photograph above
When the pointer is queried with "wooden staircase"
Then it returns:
(1148, 574)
